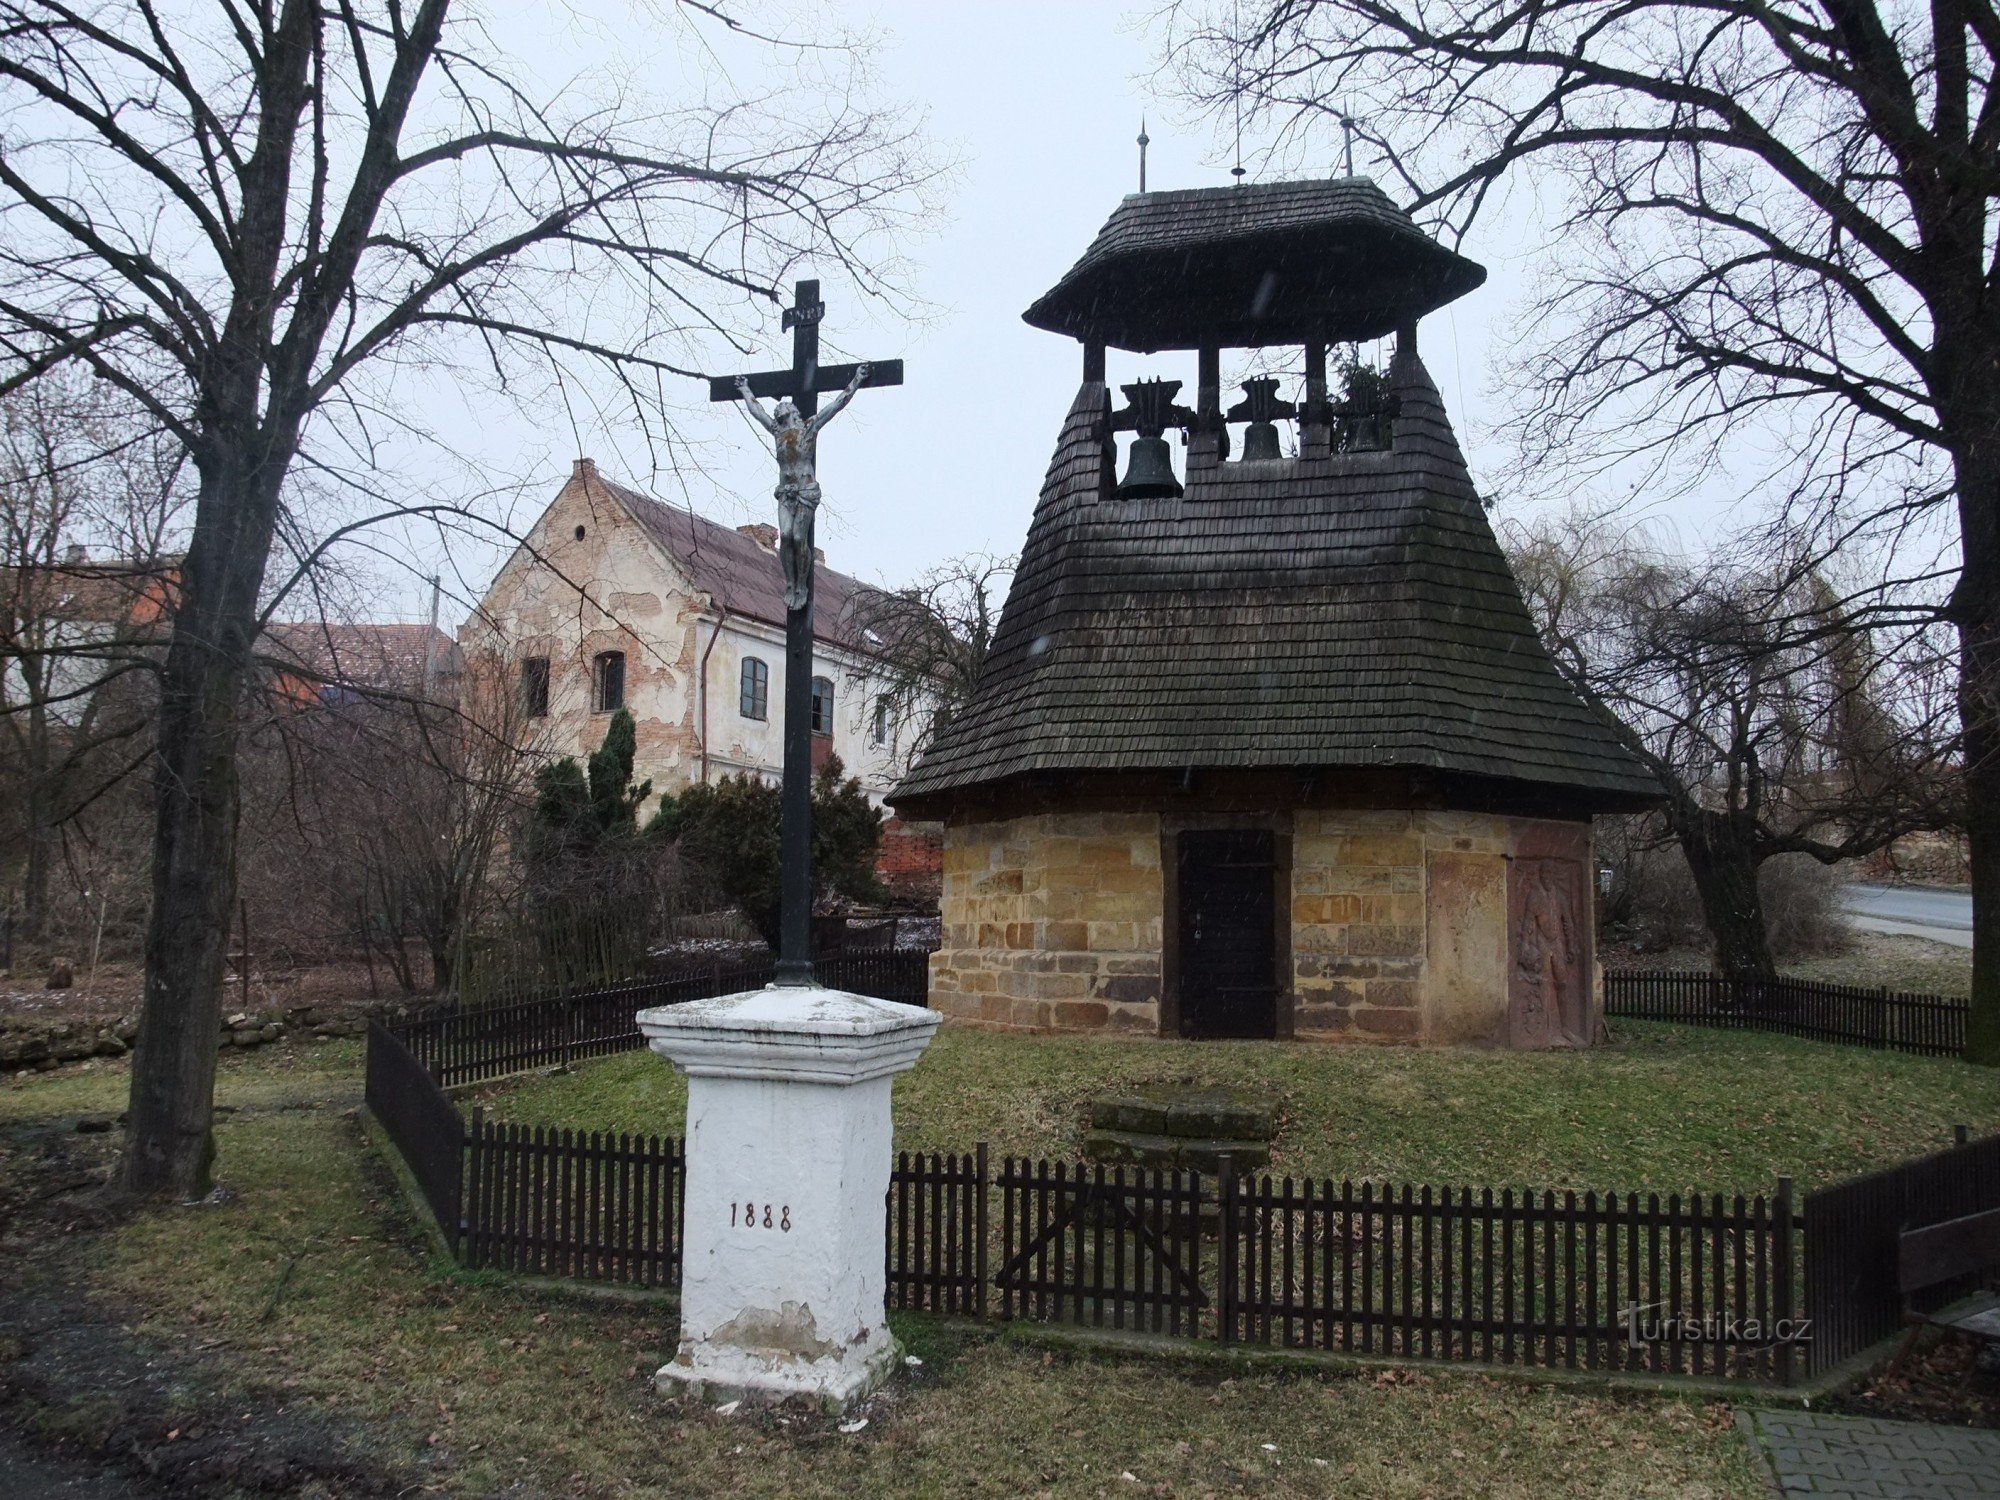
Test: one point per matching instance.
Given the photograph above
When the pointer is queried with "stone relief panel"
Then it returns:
(1548, 972)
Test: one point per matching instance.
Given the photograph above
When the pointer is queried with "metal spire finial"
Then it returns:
(1347, 132)
(1144, 141)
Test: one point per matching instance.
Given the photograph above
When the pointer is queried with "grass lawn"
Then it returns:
(313, 1285)
(313, 1281)
(1664, 1107)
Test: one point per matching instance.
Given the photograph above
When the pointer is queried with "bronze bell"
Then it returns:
(1261, 408)
(1260, 441)
(1149, 472)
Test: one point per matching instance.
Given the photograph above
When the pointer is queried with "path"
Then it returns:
(28, 1475)
(1811, 1453)
(1911, 911)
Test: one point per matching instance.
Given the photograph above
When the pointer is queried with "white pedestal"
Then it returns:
(789, 1149)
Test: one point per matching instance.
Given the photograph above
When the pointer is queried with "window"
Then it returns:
(610, 677)
(755, 701)
(822, 706)
(535, 686)
(878, 727)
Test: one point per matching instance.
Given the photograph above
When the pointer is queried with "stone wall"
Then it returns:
(1400, 924)
(1052, 920)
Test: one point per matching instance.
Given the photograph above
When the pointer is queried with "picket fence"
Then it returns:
(1726, 1286)
(1929, 1025)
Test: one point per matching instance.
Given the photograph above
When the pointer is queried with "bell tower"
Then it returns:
(1301, 264)
(1266, 744)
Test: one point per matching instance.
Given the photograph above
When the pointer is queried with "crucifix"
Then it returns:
(794, 425)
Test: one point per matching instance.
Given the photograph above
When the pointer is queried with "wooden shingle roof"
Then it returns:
(1327, 261)
(1351, 610)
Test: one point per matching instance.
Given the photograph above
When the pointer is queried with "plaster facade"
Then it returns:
(789, 1150)
(1394, 925)
(591, 577)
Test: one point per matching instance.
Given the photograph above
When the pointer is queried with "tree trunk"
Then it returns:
(169, 1146)
(1976, 609)
(1725, 876)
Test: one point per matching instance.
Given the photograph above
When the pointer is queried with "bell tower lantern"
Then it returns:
(1307, 264)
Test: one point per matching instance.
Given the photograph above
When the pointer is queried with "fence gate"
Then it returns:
(1106, 1250)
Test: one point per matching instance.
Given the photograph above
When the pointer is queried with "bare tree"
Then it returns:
(928, 641)
(1772, 216)
(1774, 724)
(253, 219)
(88, 497)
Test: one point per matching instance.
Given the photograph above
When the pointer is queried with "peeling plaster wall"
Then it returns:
(613, 589)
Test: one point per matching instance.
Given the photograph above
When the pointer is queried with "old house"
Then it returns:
(616, 600)
(1269, 746)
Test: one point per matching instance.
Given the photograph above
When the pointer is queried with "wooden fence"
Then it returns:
(935, 1226)
(1702, 1285)
(420, 1119)
(1851, 1233)
(1930, 1025)
(1110, 1250)
(469, 1045)
(596, 1207)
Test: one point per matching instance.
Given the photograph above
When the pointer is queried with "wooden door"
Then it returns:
(1228, 948)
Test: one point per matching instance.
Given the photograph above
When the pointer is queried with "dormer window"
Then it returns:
(822, 705)
(608, 678)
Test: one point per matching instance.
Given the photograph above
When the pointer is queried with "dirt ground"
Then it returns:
(91, 1410)
(115, 991)
(1937, 1384)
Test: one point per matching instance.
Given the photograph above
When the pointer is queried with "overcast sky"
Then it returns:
(1039, 104)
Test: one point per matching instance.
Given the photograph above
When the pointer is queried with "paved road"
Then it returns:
(1912, 911)
(1849, 1457)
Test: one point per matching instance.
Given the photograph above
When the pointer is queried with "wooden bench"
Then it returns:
(1938, 1253)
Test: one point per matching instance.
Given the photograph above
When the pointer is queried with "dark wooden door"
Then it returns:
(1228, 941)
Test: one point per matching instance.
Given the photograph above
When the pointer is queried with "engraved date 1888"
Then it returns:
(761, 1216)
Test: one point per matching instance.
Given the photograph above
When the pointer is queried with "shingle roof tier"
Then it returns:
(1350, 610)
(1329, 261)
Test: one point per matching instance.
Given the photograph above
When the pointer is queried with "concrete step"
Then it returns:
(1182, 1153)
(1180, 1110)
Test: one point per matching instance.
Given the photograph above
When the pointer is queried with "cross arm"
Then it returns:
(825, 378)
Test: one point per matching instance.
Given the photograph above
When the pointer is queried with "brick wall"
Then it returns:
(911, 859)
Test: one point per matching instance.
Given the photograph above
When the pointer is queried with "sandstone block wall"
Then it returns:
(1052, 920)
(1399, 922)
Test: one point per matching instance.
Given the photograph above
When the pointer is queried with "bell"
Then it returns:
(1260, 441)
(1149, 474)
(1261, 408)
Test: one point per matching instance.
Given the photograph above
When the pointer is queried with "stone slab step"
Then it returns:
(1177, 1110)
(1183, 1153)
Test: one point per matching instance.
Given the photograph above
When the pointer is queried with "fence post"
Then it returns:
(466, 1252)
(1225, 1193)
(1782, 1300)
(979, 1232)
(1961, 1134)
